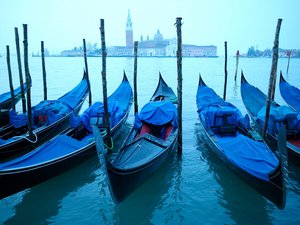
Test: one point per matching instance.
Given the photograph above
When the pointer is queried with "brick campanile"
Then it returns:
(129, 31)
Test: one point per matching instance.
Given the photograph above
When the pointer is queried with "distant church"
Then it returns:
(158, 46)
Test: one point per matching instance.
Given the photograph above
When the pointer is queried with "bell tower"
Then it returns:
(129, 31)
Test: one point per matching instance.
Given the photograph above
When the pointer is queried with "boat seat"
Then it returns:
(80, 131)
(225, 128)
(145, 129)
(167, 131)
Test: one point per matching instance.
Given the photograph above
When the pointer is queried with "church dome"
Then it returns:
(158, 36)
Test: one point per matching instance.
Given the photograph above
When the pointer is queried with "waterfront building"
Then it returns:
(158, 46)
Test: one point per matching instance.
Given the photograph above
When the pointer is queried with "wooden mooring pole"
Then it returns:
(289, 57)
(136, 109)
(179, 82)
(28, 81)
(20, 69)
(105, 105)
(225, 71)
(44, 70)
(236, 64)
(273, 87)
(87, 72)
(272, 75)
(11, 86)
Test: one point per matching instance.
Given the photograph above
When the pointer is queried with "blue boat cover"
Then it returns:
(56, 148)
(97, 110)
(7, 95)
(212, 107)
(278, 116)
(118, 103)
(73, 97)
(253, 98)
(49, 111)
(252, 156)
(157, 113)
(290, 94)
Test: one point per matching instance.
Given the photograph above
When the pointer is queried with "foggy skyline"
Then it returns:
(62, 24)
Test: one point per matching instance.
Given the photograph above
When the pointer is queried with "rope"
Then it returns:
(112, 144)
(24, 137)
(103, 133)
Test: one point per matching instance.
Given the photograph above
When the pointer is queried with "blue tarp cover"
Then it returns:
(206, 96)
(278, 116)
(97, 110)
(157, 113)
(290, 94)
(49, 111)
(118, 103)
(252, 156)
(55, 148)
(253, 98)
(211, 107)
(75, 95)
(7, 95)
(44, 113)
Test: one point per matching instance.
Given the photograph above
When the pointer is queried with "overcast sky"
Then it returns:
(62, 24)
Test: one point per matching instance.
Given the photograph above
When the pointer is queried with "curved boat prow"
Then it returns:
(243, 79)
(124, 76)
(163, 92)
(201, 82)
(281, 77)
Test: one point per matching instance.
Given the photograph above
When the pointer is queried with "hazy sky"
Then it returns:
(62, 24)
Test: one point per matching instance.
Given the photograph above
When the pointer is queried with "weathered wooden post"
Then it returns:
(106, 116)
(273, 87)
(44, 70)
(87, 72)
(135, 78)
(11, 86)
(28, 81)
(236, 64)
(289, 57)
(179, 82)
(272, 75)
(20, 69)
(225, 70)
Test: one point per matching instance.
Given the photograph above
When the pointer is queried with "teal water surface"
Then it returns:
(196, 188)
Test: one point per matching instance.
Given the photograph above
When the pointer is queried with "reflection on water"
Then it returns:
(40, 203)
(240, 200)
(151, 196)
(294, 178)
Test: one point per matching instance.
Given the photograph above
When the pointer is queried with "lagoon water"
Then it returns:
(196, 188)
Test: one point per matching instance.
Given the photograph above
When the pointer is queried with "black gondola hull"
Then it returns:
(273, 190)
(14, 181)
(123, 182)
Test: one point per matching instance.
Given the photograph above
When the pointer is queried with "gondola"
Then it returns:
(49, 118)
(6, 104)
(150, 142)
(290, 94)
(66, 150)
(228, 134)
(255, 103)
